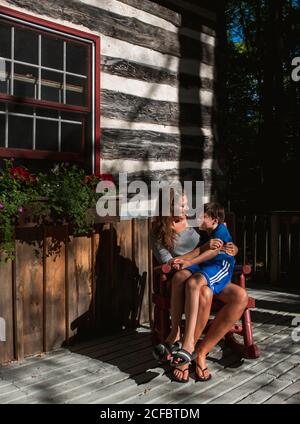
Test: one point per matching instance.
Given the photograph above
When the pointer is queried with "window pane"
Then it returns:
(49, 113)
(76, 58)
(20, 132)
(52, 53)
(20, 109)
(52, 84)
(71, 137)
(5, 37)
(26, 45)
(4, 76)
(46, 135)
(76, 91)
(25, 81)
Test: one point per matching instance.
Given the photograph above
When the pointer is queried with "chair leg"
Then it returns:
(247, 349)
(251, 350)
(161, 325)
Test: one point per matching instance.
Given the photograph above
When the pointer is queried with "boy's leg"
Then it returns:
(235, 299)
(177, 304)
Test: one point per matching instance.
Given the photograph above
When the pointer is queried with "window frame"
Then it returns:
(92, 107)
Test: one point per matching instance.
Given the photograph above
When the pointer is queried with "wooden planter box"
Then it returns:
(94, 283)
(30, 217)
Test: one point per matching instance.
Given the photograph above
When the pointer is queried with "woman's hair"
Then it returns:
(162, 225)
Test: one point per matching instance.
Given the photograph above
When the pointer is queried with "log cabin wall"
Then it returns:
(158, 120)
(158, 80)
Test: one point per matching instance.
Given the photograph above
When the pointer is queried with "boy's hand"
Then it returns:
(215, 244)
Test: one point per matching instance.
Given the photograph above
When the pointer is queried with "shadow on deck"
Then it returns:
(120, 368)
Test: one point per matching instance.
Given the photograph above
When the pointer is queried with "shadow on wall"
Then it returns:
(118, 294)
(197, 56)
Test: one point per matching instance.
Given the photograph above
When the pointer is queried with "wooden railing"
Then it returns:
(271, 244)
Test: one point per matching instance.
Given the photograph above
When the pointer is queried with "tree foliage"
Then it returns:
(262, 126)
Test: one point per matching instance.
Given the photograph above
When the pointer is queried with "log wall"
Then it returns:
(158, 81)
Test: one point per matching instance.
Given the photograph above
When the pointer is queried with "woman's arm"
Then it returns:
(211, 244)
(161, 254)
(190, 255)
(203, 257)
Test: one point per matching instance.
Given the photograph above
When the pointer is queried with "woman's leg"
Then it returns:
(193, 292)
(177, 303)
(236, 300)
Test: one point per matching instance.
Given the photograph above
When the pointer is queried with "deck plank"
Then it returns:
(120, 369)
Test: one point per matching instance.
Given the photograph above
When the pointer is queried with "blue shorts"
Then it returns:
(217, 275)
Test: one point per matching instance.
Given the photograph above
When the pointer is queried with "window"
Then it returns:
(49, 90)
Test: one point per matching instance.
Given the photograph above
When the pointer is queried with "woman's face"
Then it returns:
(182, 207)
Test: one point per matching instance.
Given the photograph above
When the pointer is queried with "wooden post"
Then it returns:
(275, 266)
(6, 313)
(18, 293)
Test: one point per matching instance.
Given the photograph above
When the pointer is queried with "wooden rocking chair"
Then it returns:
(245, 347)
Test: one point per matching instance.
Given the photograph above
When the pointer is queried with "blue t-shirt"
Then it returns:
(221, 232)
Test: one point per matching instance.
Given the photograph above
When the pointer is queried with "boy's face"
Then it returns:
(207, 222)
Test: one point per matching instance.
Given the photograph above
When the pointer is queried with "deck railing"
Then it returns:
(271, 244)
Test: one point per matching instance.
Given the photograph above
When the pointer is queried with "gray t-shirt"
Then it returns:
(185, 242)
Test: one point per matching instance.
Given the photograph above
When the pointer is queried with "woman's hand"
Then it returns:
(182, 263)
(215, 244)
(230, 249)
(173, 264)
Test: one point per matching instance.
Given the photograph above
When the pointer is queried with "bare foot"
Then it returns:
(181, 373)
(202, 373)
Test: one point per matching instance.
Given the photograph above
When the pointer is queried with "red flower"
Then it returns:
(106, 177)
(99, 177)
(23, 175)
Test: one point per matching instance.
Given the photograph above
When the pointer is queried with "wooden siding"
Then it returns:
(157, 69)
(50, 296)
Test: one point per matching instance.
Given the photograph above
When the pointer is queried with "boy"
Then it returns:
(216, 266)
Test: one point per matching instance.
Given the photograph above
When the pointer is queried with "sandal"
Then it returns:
(182, 380)
(183, 357)
(198, 378)
(163, 350)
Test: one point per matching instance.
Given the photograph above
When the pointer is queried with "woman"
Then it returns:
(171, 237)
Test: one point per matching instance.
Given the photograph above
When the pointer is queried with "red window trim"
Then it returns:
(71, 31)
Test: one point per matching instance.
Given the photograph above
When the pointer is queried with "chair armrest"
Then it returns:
(243, 269)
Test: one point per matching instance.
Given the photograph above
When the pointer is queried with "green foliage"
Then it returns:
(68, 196)
(247, 129)
(64, 195)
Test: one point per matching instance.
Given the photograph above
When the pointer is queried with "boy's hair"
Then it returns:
(215, 211)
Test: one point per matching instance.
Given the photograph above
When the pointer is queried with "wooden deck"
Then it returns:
(120, 369)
